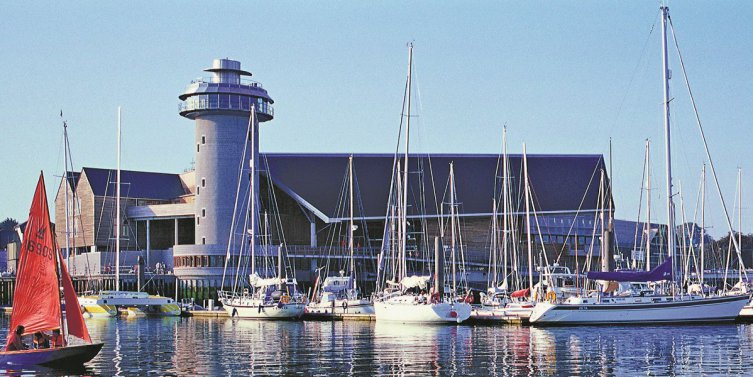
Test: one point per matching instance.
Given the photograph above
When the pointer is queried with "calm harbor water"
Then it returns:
(199, 346)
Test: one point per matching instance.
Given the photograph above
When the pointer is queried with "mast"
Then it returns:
(58, 271)
(528, 220)
(350, 229)
(493, 262)
(648, 205)
(505, 206)
(740, 217)
(254, 186)
(404, 210)
(67, 185)
(452, 224)
(668, 151)
(117, 214)
(703, 221)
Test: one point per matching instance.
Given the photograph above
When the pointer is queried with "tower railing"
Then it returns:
(224, 101)
(243, 82)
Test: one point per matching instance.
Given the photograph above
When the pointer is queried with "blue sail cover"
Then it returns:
(661, 272)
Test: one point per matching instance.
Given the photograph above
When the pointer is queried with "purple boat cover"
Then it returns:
(661, 272)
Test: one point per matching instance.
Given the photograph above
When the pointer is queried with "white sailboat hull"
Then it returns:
(341, 306)
(405, 309)
(643, 310)
(255, 309)
(747, 311)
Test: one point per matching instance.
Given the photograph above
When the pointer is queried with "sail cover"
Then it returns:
(415, 281)
(36, 298)
(521, 293)
(661, 272)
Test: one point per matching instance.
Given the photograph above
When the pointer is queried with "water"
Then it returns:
(226, 347)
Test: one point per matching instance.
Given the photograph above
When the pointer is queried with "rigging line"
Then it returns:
(276, 216)
(580, 207)
(640, 203)
(241, 166)
(243, 236)
(392, 178)
(695, 217)
(705, 144)
(634, 74)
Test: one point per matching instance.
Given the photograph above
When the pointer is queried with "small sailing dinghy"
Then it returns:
(37, 303)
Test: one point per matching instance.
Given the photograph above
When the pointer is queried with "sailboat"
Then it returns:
(340, 294)
(663, 307)
(37, 304)
(415, 299)
(265, 296)
(136, 304)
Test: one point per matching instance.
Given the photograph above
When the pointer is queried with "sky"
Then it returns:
(564, 77)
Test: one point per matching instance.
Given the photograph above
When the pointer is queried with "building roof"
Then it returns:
(560, 183)
(73, 177)
(135, 184)
(318, 182)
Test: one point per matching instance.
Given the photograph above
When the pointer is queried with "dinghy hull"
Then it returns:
(55, 357)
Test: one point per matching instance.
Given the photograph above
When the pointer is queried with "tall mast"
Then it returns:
(452, 225)
(67, 186)
(740, 216)
(117, 214)
(254, 185)
(404, 209)
(350, 228)
(493, 262)
(528, 221)
(505, 206)
(703, 221)
(648, 205)
(667, 141)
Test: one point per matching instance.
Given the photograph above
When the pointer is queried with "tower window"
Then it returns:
(198, 220)
(197, 148)
(203, 212)
(198, 190)
(203, 139)
(203, 240)
(203, 182)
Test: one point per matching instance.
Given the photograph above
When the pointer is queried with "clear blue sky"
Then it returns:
(564, 77)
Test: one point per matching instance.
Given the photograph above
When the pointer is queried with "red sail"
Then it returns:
(73, 316)
(36, 299)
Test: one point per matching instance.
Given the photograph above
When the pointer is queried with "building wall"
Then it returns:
(220, 142)
(81, 211)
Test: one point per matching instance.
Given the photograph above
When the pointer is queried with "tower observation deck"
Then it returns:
(220, 107)
(225, 90)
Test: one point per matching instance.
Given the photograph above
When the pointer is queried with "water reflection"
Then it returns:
(196, 346)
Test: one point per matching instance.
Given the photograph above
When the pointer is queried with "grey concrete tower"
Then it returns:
(220, 107)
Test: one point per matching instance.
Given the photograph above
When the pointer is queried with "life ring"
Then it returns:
(551, 296)
(285, 299)
(536, 296)
(469, 299)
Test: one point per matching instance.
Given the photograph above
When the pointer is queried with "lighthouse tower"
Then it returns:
(220, 107)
